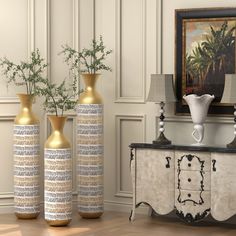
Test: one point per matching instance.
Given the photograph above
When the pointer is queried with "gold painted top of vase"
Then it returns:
(90, 95)
(57, 139)
(26, 115)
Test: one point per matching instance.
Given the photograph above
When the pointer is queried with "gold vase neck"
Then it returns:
(57, 122)
(26, 115)
(90, 95)
(90, 81)
(26, 100)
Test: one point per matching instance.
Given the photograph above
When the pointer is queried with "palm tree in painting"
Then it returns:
(212, 59)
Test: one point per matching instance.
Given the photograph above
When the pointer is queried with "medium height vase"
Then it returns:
(26, 161)
(198, 106)
(57, 175)
(90, 150)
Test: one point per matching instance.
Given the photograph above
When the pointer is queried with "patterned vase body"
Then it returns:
(57, 175)
(26, 161)
(90, 150)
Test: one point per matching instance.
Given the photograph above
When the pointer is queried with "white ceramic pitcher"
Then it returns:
(198, 106)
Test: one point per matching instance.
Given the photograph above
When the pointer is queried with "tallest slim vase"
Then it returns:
(26, 161)
(90, 150)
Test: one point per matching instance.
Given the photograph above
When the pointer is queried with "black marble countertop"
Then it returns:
(202, 148)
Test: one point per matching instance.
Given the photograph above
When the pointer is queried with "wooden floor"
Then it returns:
(113, 224)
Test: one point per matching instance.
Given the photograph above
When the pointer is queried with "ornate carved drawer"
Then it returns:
(192, 183)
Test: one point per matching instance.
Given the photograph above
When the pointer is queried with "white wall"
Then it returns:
(24, 26)
(132, 28)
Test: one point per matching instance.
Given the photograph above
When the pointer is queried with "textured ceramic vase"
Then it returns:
(90, 150)
(57, 175)
(198, 106)
(26, 161)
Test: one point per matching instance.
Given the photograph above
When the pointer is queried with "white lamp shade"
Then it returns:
(229, 95)
(161, 88)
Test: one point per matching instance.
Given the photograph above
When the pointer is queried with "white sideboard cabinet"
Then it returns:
(192, 180)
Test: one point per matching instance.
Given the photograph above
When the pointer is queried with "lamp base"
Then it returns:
(232, 144)
(161, 140)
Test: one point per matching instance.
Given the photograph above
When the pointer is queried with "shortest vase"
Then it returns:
(198, 106)
(57, 175)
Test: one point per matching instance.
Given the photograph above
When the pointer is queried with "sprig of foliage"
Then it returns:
(88, 60)
(59, 98)
(27, 74)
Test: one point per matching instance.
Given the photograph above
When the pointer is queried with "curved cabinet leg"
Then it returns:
(150, 211)
(132, 215)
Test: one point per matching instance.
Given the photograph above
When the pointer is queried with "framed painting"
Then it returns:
(204, 53)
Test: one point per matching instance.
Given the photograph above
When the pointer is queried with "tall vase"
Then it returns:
(26, 161)
(90, 150)
(57, 175)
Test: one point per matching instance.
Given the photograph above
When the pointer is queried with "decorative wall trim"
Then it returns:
(6, 195)
(76, 35)
(119, 119)
(159, 20)
(30, 44)
(48, 36)
(94, 19)
(7, 117)
(31, 26)
(118, 49)
(9, 100)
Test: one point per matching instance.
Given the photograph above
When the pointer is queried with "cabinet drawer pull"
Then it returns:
(168, 162)
(213, 165)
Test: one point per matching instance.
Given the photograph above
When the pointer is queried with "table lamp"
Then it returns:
(161, 92)
(229, 96)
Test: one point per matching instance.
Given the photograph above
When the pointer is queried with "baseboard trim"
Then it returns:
(124, 207)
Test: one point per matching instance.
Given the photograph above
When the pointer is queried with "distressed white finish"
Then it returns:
(151, 169)
(223, 186)
(192, 184)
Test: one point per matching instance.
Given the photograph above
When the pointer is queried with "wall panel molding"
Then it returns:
(118, 50)
(159, 20)
(119, 119)
(48, 36)
(31, 26)
(7, 195)
(30, 44)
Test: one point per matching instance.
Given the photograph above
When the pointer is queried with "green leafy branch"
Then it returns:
(28, 74)
(88, 60)
(59, 98)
